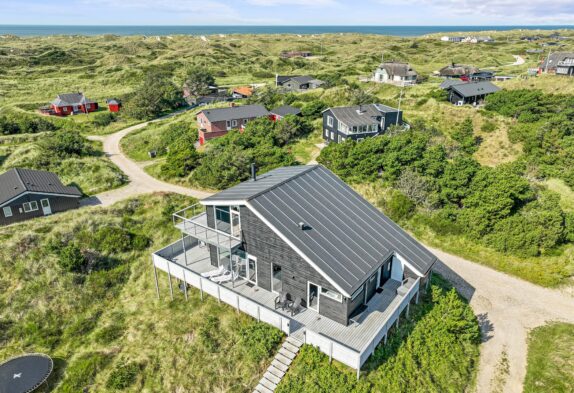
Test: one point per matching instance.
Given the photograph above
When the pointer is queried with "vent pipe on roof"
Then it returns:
(253, 172)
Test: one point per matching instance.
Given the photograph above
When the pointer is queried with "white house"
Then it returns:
(395, 73)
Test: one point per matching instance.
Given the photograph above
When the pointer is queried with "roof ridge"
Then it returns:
(311, 167)
(19, 177)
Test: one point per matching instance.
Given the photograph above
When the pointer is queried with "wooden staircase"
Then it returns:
(279, 366)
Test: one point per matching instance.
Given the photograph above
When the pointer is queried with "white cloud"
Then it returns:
(511, 11)
(307, 3)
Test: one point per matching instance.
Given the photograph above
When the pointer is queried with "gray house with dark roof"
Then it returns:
(27, 193)
(559, 63)
(358, 122)
(471, 92)
(319, 268)
(213, 123)
(297, 83)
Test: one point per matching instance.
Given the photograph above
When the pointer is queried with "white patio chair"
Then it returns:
(212, 273)
(228, 276)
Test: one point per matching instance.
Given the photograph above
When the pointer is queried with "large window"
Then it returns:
(331, 294)
(277, 279)
(330, 121)
(30, 206)
(7, 211)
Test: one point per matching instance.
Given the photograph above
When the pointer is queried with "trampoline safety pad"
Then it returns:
(24, 373)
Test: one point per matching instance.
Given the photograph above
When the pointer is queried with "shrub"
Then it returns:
(398, 207)
(207, 333)
(64, 144)
(123, 375)
(259, 340)
(488, 126)
(103, 119)
(71, 258)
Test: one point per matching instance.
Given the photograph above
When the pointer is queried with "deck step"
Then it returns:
(262, 389)
(280, 366)
(268, 384)
(271, 377)
(275, 371)
(293, 341)
(290, 347)
(285, 360)
(288, 354)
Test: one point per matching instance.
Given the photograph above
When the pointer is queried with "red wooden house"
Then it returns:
(113, 105)
(213, 123)
(72, 103)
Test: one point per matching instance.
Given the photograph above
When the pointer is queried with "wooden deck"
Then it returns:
(356, 336)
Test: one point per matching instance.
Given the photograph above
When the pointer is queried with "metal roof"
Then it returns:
(475, 88)
(18, 181)
(249, 189)
(447, 83)
(72, 99)
(346, 238)
(235, 112)
(286, 110)
(361, 115)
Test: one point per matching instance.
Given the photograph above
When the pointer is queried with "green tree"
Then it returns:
(198, 80)
(464, 135)
(155, 96)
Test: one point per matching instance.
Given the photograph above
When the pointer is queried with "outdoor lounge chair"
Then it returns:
(282, 301)
(212, 273)
(227, 276)
(296, 305)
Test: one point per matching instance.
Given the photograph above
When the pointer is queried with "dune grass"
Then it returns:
(550, 365)
(95, 322)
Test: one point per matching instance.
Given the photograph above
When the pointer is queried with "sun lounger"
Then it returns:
(212, 273)
(227, 276)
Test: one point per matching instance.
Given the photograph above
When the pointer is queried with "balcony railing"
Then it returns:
(193, 222)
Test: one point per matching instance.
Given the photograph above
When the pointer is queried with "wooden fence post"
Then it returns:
(169, 279)
(155, 275)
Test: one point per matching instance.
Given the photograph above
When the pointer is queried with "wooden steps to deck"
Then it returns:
(279, 366)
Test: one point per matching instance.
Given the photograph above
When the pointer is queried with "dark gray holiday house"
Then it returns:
(299, 249)
(27, 193)
(358, 122)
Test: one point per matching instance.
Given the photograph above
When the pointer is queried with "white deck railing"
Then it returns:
(223, 294)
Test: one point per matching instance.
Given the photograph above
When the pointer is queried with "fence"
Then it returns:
(223, 294)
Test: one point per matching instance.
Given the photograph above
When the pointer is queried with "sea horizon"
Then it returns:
(162, 30)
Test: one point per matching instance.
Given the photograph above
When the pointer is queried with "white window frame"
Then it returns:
(326, 132)
(332, 136)
(7, 211)
(333, 295)
(309, 283)
(330, 121)
(32, 206)
(245, 121)
(233, 123)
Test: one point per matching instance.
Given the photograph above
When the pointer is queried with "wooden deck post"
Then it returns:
(185, 285)
(417, 297)
(408, 308)
(200, 288)
(385, 338)
(258, 313)
(218, 294)
(155, 276)
(169, 280)
(359, 368)
(330, 352)
(183, 245)
(237, 297)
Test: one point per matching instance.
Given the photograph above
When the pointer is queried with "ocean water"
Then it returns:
(401, 31)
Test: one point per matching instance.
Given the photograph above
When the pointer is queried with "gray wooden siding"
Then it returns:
(263, 243)
(211, 223)
(57, 204)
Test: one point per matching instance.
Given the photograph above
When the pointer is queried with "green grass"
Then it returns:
(91, 323)
(550, 365)
(565, 192)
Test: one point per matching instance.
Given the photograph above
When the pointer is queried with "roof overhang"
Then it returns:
(37, 193)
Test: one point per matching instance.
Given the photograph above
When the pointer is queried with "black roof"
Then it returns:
(360, 115)
(18, 181)
(285, 110)
(475, 88)
(235, 112)
(346, 238)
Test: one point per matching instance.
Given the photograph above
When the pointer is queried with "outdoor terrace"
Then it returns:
(351, 344)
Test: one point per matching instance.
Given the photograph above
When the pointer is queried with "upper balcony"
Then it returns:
(222, 232)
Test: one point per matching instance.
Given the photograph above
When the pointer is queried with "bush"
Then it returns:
(20, 123)
(398, 207)
(103, 119)
(64, 144)
(124, 375)
(112, 239)
(81, 372)
(207, 334)
(259, 340)
(71, 258)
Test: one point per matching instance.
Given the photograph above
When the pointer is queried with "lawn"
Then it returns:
(550, 365)
(101, 321)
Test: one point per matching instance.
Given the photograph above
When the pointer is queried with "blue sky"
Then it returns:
(287, 12)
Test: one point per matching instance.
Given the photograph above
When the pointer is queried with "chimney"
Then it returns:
(253, 172)
(301, 225)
